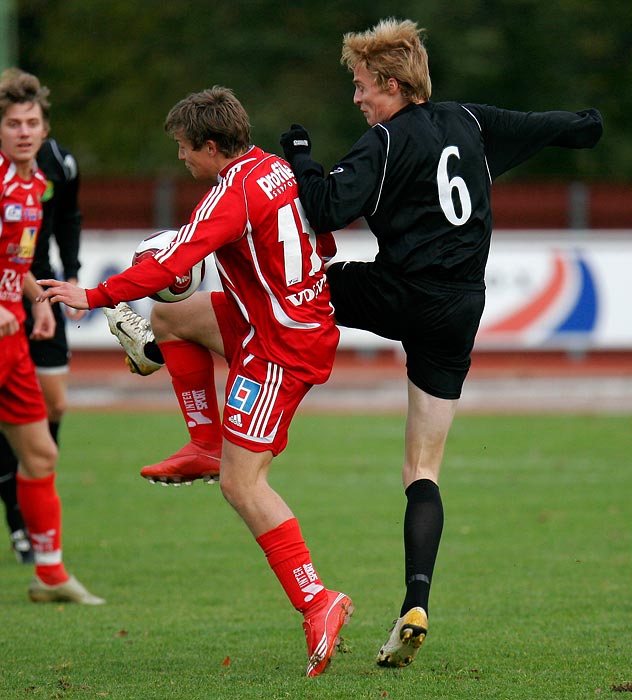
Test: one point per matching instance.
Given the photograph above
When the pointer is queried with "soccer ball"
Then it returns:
(184, 286)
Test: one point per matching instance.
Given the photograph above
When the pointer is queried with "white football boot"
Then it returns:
(133, 332)
(408, 634)
(71, 591)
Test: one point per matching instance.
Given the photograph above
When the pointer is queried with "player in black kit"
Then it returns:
(62, 223)
(421, 177)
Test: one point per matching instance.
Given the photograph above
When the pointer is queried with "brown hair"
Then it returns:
(19, 87)
(214, 114)
(391, 49)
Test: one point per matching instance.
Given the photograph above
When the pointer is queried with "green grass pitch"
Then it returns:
(531, 595)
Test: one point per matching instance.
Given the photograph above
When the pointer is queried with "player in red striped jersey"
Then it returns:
(24, 109)
(273, 322)
(61, 223)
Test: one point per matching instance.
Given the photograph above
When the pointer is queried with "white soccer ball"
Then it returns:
(184, 286)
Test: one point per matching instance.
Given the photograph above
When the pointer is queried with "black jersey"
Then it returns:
(422, 182)
(62, 217)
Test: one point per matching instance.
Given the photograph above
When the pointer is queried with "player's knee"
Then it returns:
(231, 490)
(40, 463)
(48, 457)
(162, 320)
(238, 491)
(158, 317)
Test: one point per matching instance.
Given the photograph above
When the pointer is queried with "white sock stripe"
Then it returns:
(48, 558)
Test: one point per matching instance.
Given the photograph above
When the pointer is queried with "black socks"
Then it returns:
(423, 524)
(8, 467)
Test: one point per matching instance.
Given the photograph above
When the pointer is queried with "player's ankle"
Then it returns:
(52, 575)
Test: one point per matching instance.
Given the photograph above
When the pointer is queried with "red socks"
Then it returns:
(41, 510)
(290, 560)
(191, 368)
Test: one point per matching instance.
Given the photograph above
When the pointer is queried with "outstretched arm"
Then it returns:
(513, 137)
(66, 292)
(75, 314)
(138, 281)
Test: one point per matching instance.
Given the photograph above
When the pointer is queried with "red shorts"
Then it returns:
(21, 399)
(261, 396)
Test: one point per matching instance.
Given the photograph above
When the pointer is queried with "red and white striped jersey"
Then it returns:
(272, 275)
(20, 222)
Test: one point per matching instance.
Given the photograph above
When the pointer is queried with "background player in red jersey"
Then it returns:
(421, 176)
(24, 111)
(61, 222)
(273, 323)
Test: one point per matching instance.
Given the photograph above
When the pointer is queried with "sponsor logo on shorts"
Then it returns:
(243, 394)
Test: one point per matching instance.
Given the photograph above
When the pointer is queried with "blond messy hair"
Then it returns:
(391, 49)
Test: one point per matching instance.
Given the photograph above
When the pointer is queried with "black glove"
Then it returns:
(295, 141)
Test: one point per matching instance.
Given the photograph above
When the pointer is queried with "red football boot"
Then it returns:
(322, 627)
(193, 461)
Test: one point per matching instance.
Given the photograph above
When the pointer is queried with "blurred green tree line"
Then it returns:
(115, 67)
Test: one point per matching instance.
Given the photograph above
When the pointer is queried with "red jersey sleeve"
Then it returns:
(202, 235)
(138, 281)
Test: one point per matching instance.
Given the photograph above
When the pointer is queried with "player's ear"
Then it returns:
(392, 85)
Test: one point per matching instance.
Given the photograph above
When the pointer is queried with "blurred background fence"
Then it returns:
(167, 202)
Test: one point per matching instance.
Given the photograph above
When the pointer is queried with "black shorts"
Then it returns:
(53, 353)
(435, 322)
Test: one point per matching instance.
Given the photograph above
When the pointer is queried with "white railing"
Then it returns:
(564, 289)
